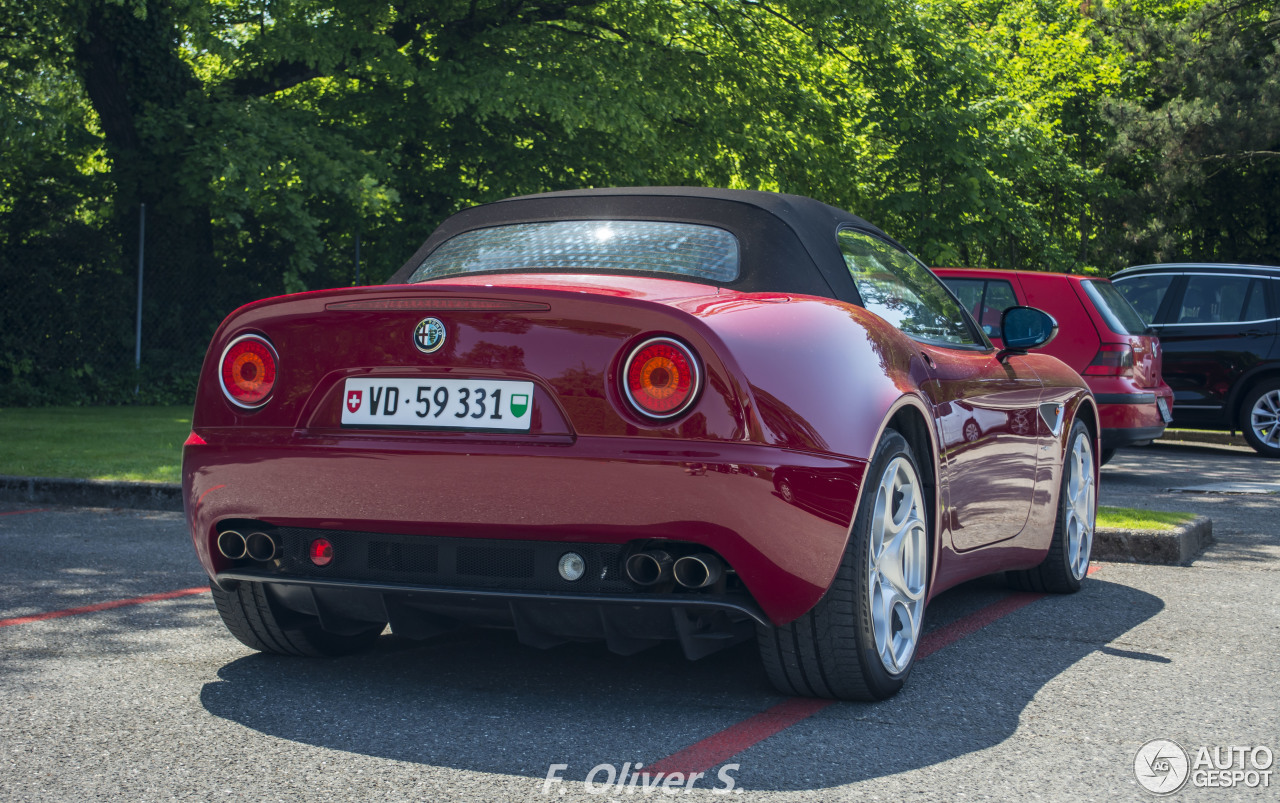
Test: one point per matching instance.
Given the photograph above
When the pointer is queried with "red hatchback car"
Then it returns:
(1101, 336)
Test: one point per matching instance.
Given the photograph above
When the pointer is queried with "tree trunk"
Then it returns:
(148, 103)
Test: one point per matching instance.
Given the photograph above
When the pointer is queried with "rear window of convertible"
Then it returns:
(681, 249)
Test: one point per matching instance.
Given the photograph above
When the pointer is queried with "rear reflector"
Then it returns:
(248, 371)
(1111, 360)
(661, 378)
(482, 304)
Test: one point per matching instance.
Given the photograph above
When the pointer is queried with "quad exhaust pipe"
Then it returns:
(649, 568)
(656, 566)
(256, 545)
(698, 571)
(260, 546)
(231, 544)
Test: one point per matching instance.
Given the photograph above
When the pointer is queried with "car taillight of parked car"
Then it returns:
(1111, 360)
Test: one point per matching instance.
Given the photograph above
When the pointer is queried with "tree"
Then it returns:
(1198, 132)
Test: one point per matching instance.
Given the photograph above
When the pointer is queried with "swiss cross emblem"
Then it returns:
(353, 400)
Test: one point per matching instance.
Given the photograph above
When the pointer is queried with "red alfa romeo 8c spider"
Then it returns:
(637, 415)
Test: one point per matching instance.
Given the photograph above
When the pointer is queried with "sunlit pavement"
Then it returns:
(1017, 699)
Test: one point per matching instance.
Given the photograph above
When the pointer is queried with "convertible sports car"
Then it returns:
(634, 415)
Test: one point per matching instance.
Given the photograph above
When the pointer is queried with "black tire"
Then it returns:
(1260, 406)
(831, 650)
(1061, 571)
(252, 617)
(1105, 455)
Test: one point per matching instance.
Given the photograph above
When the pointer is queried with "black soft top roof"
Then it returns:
(788, 242)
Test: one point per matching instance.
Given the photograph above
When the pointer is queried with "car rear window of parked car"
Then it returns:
(1223, 299)
(682, 249)
(1119, 314)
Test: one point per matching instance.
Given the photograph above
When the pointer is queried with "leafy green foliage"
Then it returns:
(269, 139)
(1198, 135)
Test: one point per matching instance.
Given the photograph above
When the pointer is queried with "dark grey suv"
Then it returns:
(1219, 325)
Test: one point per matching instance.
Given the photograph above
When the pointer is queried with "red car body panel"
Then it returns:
(759, 471)
(592, 470)
(1127, 405)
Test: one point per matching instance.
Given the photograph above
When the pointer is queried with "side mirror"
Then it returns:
(1026, 328)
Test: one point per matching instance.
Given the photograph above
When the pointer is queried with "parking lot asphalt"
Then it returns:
(1016, 697)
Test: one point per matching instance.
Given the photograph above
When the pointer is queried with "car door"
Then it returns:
(1215, 329)
(985, 409)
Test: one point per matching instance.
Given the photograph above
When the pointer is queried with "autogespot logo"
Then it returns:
(1161, 766)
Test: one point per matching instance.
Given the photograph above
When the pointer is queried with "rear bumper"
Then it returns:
(626, 625)
(1134, 418)
(1133, 436)
(620, 491)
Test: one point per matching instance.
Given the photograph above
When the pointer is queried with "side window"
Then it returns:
(985, 299)
(1145, 293)
(1255, 307)
(1214, 299)
(999, 298)
(902, 291)
(969, 291)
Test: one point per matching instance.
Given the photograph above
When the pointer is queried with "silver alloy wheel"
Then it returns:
(1264, 418)
(897, 564)
(1080, 506)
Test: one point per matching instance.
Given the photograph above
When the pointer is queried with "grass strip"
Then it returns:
(1129, 518)
(97, 443)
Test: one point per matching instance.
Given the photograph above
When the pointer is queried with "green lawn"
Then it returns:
(1128, 518)
(100, 443)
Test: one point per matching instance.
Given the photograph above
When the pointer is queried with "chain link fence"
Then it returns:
(70, 321)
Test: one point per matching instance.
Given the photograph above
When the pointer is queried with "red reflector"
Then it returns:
(321, 552)
(248, 371)
(483, 304)
(661, 378)
(1111, 360)
(194, 440)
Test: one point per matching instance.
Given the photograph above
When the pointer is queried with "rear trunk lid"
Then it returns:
(564, 337)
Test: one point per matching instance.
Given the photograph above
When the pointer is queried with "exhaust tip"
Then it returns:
(260, 546)
(648, 568)
(698, 571)
(232, 545)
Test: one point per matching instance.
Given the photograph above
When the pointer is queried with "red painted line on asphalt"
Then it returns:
(20, 512)
(104, 606)
(968, 625)
(720, 747)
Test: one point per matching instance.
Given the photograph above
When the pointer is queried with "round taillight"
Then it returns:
(321, 552)
(248, 371)
(661, 378)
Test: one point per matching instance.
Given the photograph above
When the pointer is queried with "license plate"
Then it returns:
(1164, 409)
(470, 404)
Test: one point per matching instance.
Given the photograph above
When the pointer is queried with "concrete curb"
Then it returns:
(91, 493)
(1169, 547)
(1202, 436)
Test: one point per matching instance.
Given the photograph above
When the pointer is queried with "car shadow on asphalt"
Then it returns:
(480, 702)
